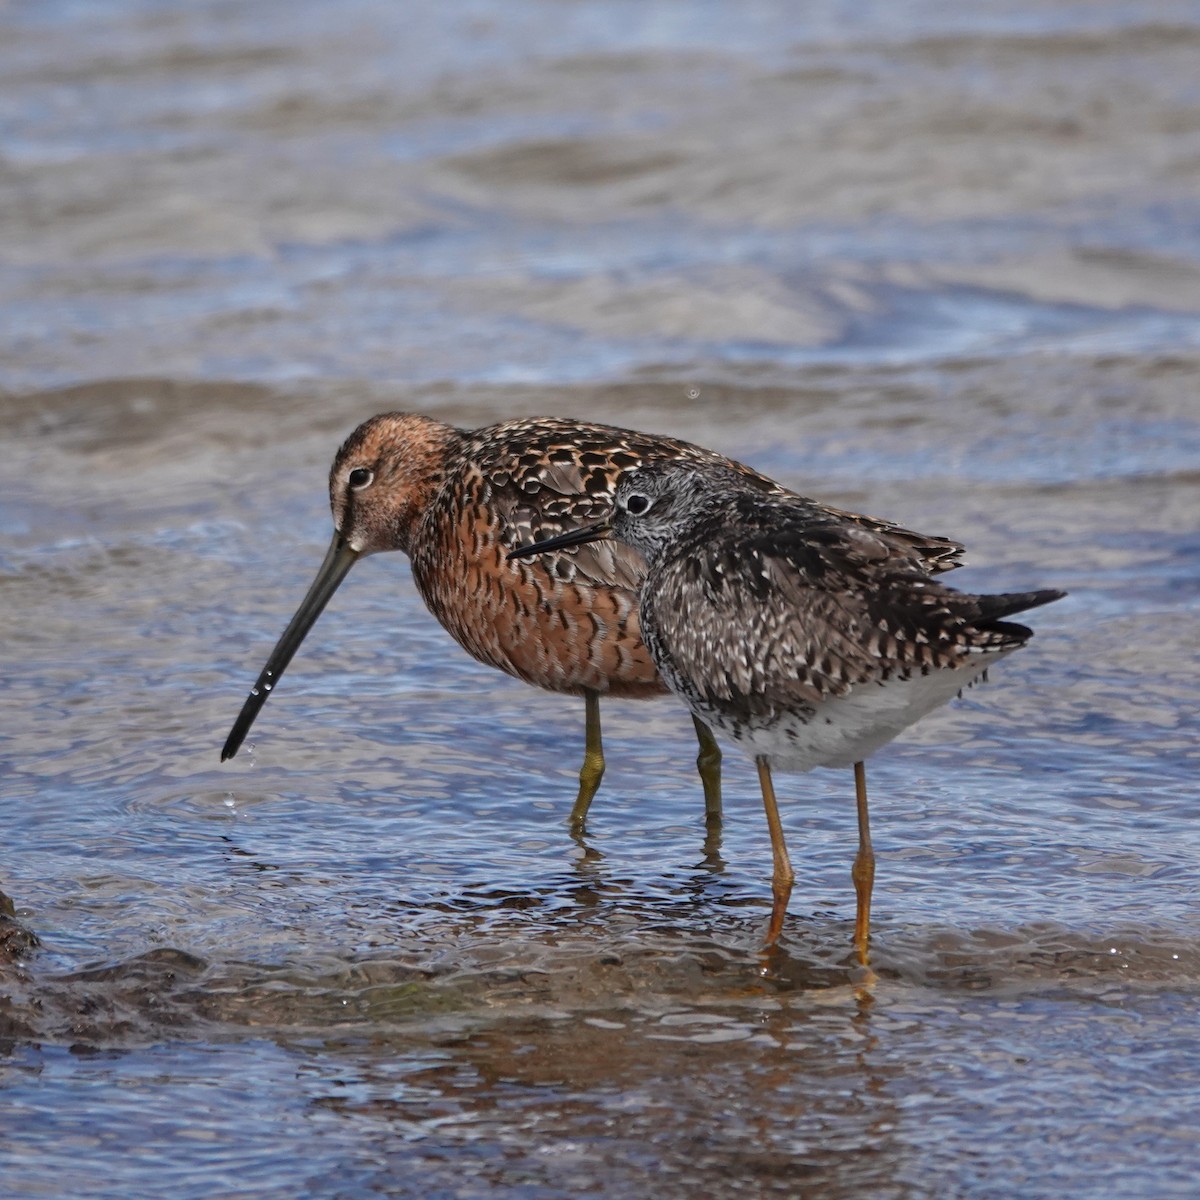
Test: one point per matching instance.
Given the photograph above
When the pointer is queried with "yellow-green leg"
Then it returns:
(592, 770)
(708, 763)
(783, 876)
(863, 871)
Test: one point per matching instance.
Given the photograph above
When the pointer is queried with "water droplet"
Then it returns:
(693, 393)
(254, 691)
(267, 687)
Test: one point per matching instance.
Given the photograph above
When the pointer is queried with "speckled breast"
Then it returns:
(552, 621)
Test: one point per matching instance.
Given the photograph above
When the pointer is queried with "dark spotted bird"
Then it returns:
(456, 501)
(807, 637)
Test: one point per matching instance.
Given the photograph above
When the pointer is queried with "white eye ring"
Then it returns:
(637, 504)
(359, 478)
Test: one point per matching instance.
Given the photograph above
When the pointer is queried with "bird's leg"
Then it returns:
(863, 871)
(783, 876)
(592, 770)
(708, 763)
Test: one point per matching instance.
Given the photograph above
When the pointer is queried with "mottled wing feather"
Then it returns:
(924, 551)
(810, 605)
(563, 478)
(736, 638)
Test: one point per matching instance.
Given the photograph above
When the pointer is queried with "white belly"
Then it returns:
(850, 728)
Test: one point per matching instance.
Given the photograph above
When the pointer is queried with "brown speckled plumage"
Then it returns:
(565, 622)
(457, 502)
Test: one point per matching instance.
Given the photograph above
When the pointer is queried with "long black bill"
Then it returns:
(575, 537)
(338, 561)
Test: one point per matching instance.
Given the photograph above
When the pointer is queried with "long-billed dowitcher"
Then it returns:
(808, 638)
(456, 501)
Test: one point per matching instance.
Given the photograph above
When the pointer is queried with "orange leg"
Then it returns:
(863, 871)
(783, 876)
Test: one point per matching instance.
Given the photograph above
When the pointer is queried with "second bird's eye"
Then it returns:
(360, 478)
(637, 504)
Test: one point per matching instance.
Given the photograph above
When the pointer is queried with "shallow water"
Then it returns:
(936, 264)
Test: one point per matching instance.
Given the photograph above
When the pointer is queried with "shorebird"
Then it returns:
(805, 636)
(456, 501)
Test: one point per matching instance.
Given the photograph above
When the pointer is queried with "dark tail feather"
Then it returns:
(996, 608)
(993, 610)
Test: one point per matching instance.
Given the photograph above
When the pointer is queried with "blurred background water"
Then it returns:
(936, 262)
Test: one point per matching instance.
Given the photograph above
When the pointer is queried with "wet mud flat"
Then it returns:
(937, 266)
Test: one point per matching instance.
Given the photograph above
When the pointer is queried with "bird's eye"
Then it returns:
(637, 504)
(360, 478)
